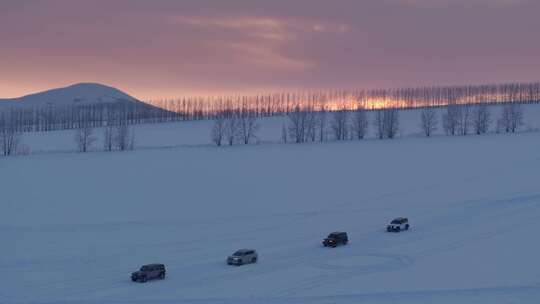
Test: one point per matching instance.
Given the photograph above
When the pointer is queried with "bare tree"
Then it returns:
(283, 134)
(511, 118)
(248, 127)
(391, 122)
(9, 136)
(84, 137)
(108, 138)
(464, 119)
(451, 119)
(481, 119)
(321, 124)
(386, 122)
(298, 124)
(504, 122)
(517, 117)
(122, 138)
(360, 123)
(378, 123)
(132, 141)
(218, 131)
(499, 127)
(428, 121)
(232, 131)
(311, 125)
(339, 124)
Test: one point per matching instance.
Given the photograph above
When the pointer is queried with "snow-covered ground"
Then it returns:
(73, 226)
(197, 133)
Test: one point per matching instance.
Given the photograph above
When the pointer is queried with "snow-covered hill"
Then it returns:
(73, 226)
(78, 94)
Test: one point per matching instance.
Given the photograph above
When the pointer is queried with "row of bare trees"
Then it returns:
(50, 118)
(387, 123)
(511, 119)
(462, 119)
(304, 125)
(118, 137)
(401, 98)
(239, 127)
(10, 136)
(71, 117)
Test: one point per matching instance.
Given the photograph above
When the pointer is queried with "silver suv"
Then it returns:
(243, 256)
(398, 224)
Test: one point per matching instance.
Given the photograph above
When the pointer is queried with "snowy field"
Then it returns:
(197, 133)
(74, 226)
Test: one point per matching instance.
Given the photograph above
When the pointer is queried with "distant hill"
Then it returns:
(74, 95)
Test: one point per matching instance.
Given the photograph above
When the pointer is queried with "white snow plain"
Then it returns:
(74, 226)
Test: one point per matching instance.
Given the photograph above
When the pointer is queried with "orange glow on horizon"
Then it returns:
(275, 103)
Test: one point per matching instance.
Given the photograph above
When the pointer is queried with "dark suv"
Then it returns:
(149, 272)
(336, 238)
(243, 256)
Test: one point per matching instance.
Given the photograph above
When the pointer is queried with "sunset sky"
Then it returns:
(164, 48)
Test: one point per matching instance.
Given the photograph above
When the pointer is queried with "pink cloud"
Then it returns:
(168, 48)
(262, 41)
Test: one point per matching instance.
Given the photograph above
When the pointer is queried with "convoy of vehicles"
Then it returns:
(250, 256)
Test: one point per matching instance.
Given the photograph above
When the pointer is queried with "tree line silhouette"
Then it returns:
(51, 117)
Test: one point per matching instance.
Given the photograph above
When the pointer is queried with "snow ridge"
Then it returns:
(77, 94)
